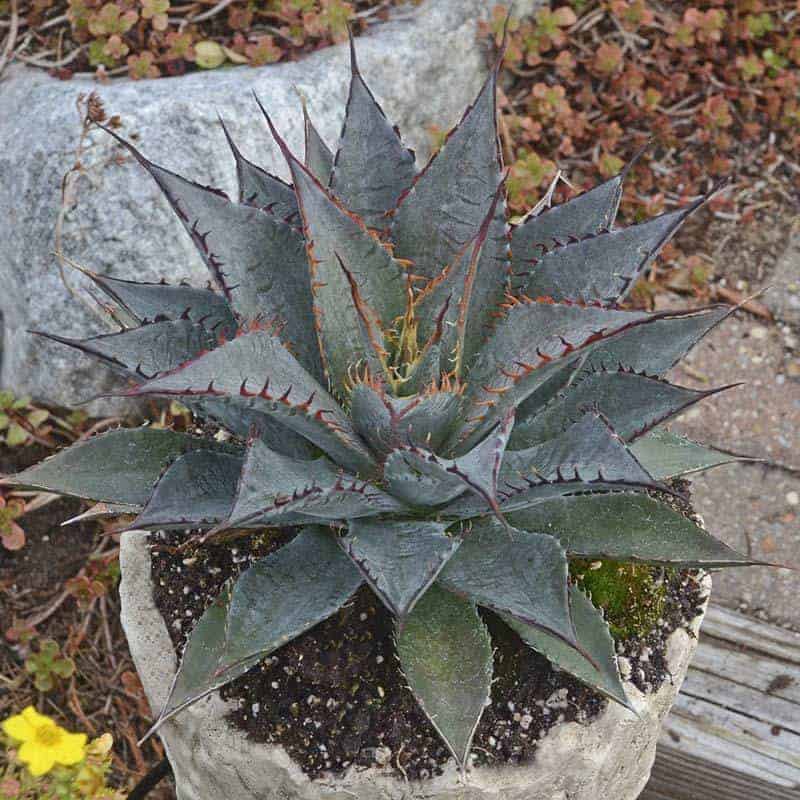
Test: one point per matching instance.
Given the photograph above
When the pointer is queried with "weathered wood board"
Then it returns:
(734, 731)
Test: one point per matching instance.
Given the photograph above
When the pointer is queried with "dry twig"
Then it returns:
(11, 38)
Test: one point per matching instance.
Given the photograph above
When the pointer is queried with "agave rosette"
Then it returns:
(441, 405)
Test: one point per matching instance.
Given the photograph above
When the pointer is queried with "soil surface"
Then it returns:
(336, 696)
(51, 554)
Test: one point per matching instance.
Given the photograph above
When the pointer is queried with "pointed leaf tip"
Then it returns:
(139, 456)
(371, 168)
(257, 259)
(513, 572)
(666, 455)
(633, 403)
(601, 672)
(603, 265)
(318, 156)
(147, 302)
(587, 213)
(446, 655)
(399, 559)
(627, 527)
(278, 598)
(353, 59)
(148, 350)
(447, 201)
(517, 359)
(279, 140)
(258, 187)
(126, 144)
(228, 137)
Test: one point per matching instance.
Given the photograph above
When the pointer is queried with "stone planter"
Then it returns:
(609, 757)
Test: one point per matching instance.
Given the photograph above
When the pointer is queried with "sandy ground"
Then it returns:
(755, 508)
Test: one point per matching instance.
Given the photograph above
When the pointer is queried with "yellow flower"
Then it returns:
(44, 744)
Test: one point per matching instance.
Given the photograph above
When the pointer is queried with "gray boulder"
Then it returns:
(424, 67)
(783, 298)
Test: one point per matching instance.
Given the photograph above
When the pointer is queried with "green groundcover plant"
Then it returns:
(440, 405)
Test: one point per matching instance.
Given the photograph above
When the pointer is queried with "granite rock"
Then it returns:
(783, 297)
(424, 67)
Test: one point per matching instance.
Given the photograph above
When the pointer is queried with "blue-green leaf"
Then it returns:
(196, 491)
(276, 489)
(149, 302)
(148, 350)
(120, 466)
(588, 457)
(589, 448)
(667, 455)
(601, 673)
(523, 352)
(318, 156)
(653, 345)
(256, 371)
(513, 572)
(627, 527)
(257, 259)
(386, 422)
(420, 477)
(257, 187)
(449, 199)
(242, 421)
(277, 599)
(446, 655)
(658, 344)
(438, 217)
(337, 237)
(269, 480)
(584, 215)
(399, 559)
(371, 168)
(603, 266)
(469, 300)
(633, 404)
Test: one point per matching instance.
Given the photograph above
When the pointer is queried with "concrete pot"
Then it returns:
(608, 758)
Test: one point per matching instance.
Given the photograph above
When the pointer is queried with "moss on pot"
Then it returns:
(632, 596)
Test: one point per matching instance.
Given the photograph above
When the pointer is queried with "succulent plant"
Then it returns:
(437, 403)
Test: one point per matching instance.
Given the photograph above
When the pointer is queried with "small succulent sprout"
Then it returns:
(12, 536)
(440, 405)
(20, 421)
(48, 666)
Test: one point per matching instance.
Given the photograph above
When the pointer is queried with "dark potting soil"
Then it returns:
(335, 696)
(52, 553)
